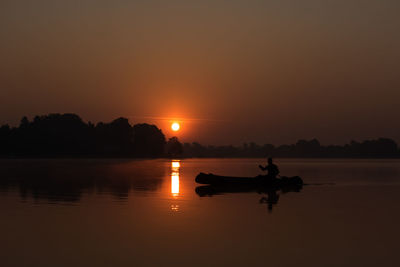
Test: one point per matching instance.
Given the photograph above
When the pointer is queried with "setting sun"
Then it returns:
(175, 126)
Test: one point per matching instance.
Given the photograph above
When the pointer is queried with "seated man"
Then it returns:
(272, 169)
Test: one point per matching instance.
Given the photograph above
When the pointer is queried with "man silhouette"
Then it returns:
(272, 169)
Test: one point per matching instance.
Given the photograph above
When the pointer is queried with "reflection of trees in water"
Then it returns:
(68, 180)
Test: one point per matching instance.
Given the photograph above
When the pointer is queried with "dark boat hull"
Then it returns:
(258, 181)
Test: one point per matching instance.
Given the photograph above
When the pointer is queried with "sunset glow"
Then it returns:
(175, 126)
(280, 118)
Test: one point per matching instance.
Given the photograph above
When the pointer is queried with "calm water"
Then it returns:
(147, 213)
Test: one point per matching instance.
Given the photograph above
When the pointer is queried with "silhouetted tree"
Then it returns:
(310, 148)
(54, 134)
(62, 135)
(149, 141)
(24, 123)
(268, 150)
(5, 140)
(114, 138)
(382, 147)
(67, 135)
(174, 147)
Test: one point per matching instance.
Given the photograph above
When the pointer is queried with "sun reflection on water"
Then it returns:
(175, 184)
(175, 207)
(175, 165)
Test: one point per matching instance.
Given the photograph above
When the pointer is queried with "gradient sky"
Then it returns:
(231, 71)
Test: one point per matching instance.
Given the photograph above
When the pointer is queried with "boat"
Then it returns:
(250, 182)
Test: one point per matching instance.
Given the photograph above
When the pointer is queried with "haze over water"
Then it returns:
(146, 212)
(233, 71)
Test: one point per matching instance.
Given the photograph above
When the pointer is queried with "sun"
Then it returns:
(175, 126)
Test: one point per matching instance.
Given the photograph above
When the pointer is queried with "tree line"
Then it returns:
(67, 135)
(378, 148)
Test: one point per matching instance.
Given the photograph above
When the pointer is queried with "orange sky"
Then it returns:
(237, 71)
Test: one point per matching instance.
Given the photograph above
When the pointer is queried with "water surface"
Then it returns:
(147, 213)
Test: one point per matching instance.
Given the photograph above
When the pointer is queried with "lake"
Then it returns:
(119, 212)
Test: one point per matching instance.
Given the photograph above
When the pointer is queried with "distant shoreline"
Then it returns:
(68, 136)
(178, 158)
